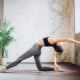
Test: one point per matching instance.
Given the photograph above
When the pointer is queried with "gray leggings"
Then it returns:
(34, 51)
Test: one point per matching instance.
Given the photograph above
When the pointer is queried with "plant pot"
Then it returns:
(3, 61)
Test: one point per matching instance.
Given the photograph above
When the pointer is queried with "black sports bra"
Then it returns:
(55, 46)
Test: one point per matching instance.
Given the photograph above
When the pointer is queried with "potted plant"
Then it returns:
(5, 39)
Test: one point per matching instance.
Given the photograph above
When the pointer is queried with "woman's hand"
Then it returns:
(57, 67)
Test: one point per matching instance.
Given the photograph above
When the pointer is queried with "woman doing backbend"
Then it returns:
(36, 51)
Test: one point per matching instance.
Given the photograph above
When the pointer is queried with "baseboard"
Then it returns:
(45, 62)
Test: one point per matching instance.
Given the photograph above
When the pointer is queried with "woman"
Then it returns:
(36, 52)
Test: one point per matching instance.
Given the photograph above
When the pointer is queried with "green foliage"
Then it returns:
(5, 37)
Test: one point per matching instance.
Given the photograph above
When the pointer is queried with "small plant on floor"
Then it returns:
(5, 39)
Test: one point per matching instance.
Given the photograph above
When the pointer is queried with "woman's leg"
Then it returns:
(39, 66)
(31, 52)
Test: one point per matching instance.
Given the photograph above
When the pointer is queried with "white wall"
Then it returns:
(77, 16)
(31, 21)
(34, 19)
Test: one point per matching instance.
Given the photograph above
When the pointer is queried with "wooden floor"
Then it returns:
(29, 72)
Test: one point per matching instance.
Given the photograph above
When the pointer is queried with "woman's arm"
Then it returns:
(73, 41)
(64, 40)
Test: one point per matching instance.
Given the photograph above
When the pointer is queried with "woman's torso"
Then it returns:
(50, 42)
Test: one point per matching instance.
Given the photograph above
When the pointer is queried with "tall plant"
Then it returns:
(5, 37)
